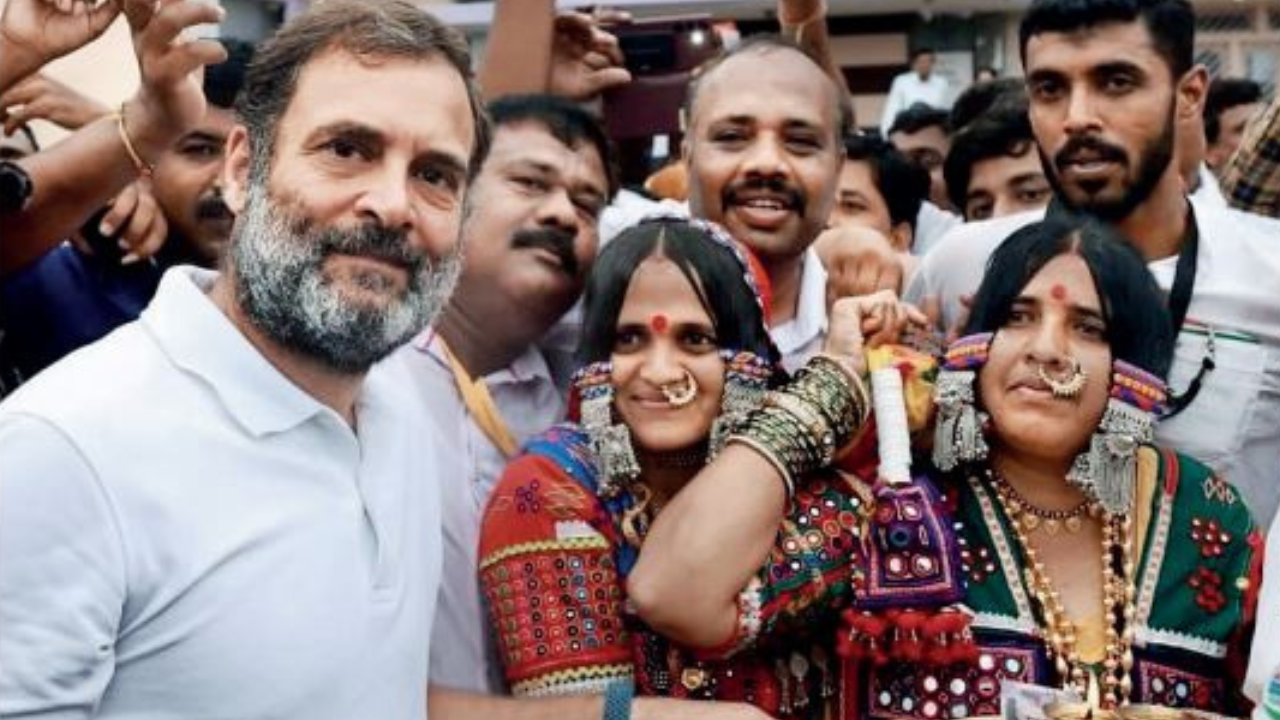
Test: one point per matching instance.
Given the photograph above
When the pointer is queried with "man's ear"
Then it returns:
(235, 169)
(902, 237)
(1192, 89)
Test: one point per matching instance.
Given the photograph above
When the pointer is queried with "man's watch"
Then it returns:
(15, 187)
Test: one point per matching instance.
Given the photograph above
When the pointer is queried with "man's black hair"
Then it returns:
(978, 98)
(918, 117)
(922, 50)
(222, 82)
(903, 184)
(566, 121)
(1224, 94)
(1171, 24)
(1002, 131)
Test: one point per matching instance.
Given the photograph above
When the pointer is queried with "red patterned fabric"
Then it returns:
(549, 578)
(553, 566)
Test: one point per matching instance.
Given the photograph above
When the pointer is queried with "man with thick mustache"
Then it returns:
(228, 508)
(530, 240)
(1110, 83)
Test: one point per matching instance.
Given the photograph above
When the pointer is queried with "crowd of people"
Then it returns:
(340, 382)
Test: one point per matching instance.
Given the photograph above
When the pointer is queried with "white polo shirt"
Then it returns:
(1234, 424)
(184, 533)
(463, 655)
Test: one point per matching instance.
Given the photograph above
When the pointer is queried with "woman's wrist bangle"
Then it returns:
(761, 449)
(861, 396)
(144, 168)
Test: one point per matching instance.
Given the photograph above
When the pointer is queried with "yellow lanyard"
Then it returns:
(475, 394)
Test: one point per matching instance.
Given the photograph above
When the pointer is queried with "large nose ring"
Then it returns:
(1068, 386)
(681, 392)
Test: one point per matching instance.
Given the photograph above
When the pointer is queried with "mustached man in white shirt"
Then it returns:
(227, 508)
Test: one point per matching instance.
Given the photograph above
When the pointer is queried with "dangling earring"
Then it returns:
(746, 380)
(1107, 470)
(610, 441)
(958, 434)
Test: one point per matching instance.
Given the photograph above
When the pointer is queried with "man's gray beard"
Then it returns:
(281, 286)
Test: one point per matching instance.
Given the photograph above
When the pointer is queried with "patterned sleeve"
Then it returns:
(1251, 180)
(806, 577)
(550, 582)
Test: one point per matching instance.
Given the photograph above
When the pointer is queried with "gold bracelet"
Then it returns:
(144, 168)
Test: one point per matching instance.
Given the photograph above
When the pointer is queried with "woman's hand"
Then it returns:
(868, 321)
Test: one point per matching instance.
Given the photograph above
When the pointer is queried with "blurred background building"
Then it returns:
(870, 38)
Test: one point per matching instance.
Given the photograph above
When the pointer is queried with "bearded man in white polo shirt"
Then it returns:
(226, 509)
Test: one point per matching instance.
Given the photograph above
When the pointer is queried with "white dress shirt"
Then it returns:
(185, 533)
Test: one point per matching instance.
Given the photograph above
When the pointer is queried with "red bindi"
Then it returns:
(1058, 292)
(658, 323)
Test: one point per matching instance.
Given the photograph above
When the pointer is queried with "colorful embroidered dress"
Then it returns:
(1196, 591)
(553, 567)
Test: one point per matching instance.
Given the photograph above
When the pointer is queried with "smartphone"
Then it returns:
(661, 54)
(105, 247)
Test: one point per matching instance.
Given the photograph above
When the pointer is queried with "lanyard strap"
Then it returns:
(475, 394)
(1184, 278)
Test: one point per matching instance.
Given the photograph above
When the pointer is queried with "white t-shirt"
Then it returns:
(184, 533)
(1234, 424)
(463, 655)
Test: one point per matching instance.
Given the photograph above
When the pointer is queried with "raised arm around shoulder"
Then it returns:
(723, 525)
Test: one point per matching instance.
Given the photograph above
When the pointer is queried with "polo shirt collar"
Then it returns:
(197, 337)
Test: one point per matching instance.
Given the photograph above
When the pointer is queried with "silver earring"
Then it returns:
(958, 434)
(746, 380)
(610, 441)
(1107, 470)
